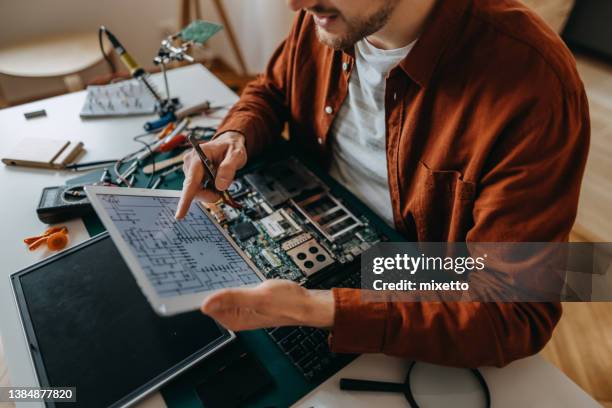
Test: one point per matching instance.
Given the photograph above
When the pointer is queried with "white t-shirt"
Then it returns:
(359, 130)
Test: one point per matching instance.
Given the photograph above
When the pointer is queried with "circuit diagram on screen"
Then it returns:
(178, 257)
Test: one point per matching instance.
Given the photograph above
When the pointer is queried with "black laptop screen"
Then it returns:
(92, 328)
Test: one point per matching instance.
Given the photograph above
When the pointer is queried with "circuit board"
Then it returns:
(290, 225)
(118, 99)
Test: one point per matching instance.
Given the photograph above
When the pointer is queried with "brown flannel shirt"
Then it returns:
(487, 138)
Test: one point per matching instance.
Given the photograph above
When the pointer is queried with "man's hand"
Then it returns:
(271, 304)
(228, 154)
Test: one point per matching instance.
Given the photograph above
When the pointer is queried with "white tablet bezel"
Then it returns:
(164, 306)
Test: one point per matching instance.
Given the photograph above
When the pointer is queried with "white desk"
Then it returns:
(530, 382)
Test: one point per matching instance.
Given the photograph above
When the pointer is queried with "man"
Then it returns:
(456, 120)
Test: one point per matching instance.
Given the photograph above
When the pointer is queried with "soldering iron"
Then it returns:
(130, 63)
(165, 106)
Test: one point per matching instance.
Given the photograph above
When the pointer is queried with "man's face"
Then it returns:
(341, 23)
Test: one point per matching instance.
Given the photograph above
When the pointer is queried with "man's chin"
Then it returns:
(335, 41)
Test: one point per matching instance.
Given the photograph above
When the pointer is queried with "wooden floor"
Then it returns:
(581, 347)
(594, 221)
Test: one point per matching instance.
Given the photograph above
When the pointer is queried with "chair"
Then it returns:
(26, 68)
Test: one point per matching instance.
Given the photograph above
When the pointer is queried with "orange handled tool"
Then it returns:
(173, 143)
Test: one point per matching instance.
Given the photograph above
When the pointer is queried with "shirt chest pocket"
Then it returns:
(442, 204)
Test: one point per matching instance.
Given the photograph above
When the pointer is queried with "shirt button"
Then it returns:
(345, 66)
(320, 140)
(395, 96)
(329, 110)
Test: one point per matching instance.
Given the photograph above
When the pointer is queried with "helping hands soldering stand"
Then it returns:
(167, 53)
(196, 33)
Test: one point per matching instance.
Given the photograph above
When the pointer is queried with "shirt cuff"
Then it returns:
(359, 327)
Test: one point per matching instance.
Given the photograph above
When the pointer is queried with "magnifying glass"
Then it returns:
(406, 388)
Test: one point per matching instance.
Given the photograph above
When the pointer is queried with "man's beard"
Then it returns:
(358, 29)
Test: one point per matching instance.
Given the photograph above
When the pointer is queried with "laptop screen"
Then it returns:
(93, 329)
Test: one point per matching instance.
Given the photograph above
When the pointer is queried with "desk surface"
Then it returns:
(529, 382)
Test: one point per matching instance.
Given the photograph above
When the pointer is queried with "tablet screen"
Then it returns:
(92, 328)
(177, 257)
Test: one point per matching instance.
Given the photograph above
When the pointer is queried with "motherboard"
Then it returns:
(290, 225)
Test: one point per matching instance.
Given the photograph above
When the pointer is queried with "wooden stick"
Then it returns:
(231, 35)
(164, 164)
(197, 9)
(184, 13)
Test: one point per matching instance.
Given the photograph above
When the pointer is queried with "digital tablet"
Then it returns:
(89, 326)
(176, 263)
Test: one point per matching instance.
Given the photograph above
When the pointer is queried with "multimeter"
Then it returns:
(62, 203)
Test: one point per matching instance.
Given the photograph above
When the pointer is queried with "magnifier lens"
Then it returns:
(435, 386)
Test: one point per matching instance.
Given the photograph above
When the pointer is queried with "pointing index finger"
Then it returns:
(192, 184)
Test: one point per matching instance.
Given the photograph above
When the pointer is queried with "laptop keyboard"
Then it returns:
(307, 348)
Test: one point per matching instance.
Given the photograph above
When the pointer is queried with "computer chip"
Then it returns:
(244, 230)
(271, 258)
(280, 225)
